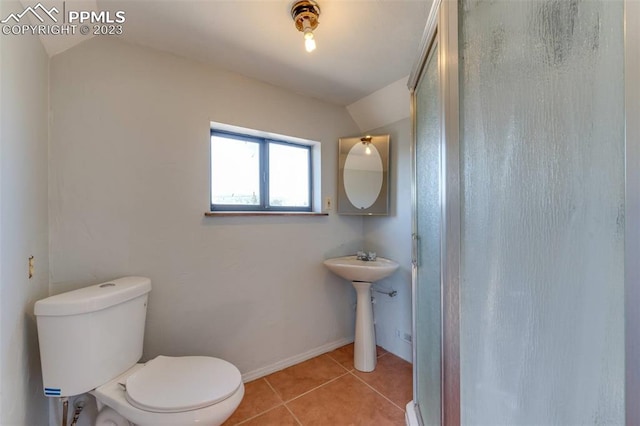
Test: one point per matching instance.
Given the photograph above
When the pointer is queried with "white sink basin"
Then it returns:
(352, 269)
(362, 273)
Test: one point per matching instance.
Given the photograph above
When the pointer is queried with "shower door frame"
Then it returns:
(632, 209)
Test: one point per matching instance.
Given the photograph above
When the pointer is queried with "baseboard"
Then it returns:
(296, 359)
(410, 416)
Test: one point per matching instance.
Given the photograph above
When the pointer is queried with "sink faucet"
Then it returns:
(367, 257)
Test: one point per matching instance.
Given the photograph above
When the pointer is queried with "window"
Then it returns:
(255, 173)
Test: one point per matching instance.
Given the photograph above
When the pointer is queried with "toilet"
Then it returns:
(91, 341)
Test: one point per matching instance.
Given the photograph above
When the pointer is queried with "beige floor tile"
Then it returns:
(392, 378)
(279, 416)
(298, 379)
(345, 401)
(258, 398)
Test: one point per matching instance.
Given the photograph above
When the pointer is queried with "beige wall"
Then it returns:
(23, 222)
(129, 185)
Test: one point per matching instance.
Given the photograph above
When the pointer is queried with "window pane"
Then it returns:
(288, 176)
(235, 171)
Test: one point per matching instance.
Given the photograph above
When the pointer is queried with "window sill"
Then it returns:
(261, 213)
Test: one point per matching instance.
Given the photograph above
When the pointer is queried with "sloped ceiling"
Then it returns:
(58, 43)
(363, 45)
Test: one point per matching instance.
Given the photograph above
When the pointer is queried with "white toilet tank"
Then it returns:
(91, 335)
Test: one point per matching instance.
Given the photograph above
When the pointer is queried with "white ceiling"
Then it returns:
(363, 45)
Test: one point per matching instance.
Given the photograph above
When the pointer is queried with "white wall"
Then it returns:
(390, 236)
(23, 222)
(382, 107)
(129, 185)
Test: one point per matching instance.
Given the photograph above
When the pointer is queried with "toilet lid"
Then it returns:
(175, 384)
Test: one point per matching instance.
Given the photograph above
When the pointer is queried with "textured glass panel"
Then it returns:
(235, 171)
(289, 176)
(542, 338)
(427, 303)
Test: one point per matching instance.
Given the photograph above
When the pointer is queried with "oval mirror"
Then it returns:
(363, 175)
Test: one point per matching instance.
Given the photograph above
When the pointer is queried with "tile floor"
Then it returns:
(328, 391)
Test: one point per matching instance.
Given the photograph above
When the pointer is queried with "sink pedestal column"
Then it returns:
(364, 353)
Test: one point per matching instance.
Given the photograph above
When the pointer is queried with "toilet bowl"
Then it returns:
(170, 391)
(91, 340)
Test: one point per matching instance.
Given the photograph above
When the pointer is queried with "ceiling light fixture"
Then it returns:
(305, 14)
(366, 141)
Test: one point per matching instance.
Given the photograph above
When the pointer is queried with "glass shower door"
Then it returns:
(520, 215)
(542, 212)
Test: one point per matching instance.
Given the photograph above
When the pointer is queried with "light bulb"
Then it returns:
(309, 42)
(368, 150)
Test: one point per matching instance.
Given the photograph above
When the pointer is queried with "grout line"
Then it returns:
(259, 414)
(294, 416)
(273, 389)
(317, 387)
(337, 362)
(267, 410)
(378, 392)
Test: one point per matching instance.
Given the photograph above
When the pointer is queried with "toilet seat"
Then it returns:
(178, 384)
(112, 394)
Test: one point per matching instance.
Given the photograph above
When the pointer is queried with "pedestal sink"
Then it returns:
(362, 274)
